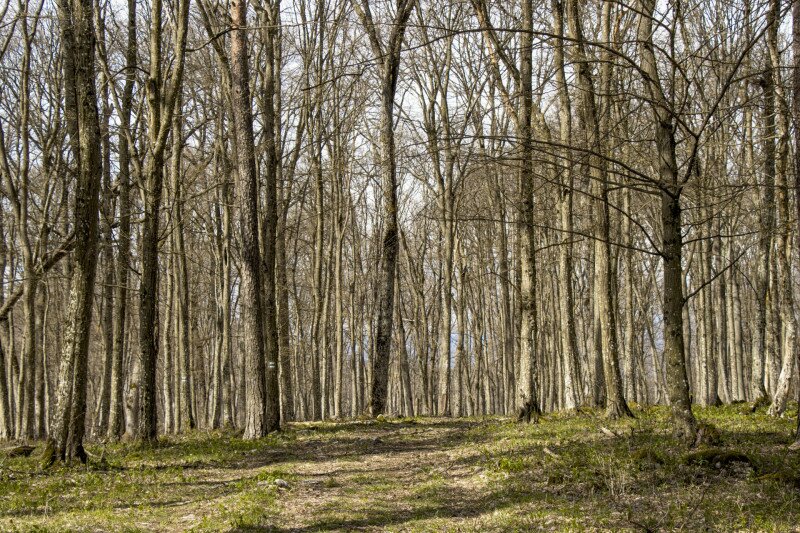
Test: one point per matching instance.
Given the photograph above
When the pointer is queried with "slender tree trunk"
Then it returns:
(684, 423)
(6, 427)
(107, 301)
(389, 55)
(631, 391)
(766, 219)
(443, 403)
(339, 299)
(616, 406)
(187, 414)
(116, 414)
(527, 388)
(170, 333)
(405, 373)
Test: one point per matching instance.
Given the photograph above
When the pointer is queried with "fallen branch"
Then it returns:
(551, 453)
(608, 432)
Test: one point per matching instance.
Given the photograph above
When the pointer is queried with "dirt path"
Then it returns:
(566, 474)
(382, 477)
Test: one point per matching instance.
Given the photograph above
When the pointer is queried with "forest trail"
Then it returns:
(577, 472)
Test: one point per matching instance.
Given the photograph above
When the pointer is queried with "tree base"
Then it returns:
(617, 410)
(529, 412)
(761, 401)
(684, 426)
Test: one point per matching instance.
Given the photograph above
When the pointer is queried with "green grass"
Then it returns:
(477, 474)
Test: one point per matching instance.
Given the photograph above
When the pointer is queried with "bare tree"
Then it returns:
(83, 125)
(386, 51)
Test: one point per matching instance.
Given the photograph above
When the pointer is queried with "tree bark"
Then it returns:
(796, 124)
(116, 413)
(616, 406)
(684, 423)
(252, 288)
(78, 40)
(388, 54)
(161, 106)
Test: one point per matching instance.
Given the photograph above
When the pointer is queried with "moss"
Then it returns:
(708, 434)
(717, 458)
(785, 477)
(645, 458)
(761, 404)
(511, 464)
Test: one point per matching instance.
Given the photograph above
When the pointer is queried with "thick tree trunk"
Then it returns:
(251, 299)
(148, 295)
(766, 221)
(78, 40)
(783, 250)
(161, 106)
(148, 286)
(270, 225)
(796, 124)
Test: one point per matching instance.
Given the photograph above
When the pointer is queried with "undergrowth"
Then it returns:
(572, 471)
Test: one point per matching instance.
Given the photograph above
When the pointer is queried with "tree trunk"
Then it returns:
(787, 350)
(252, 289)
(684, 424)
(187, 414)
(78, 41)
(527, 389)
(116, 413)
(389, 55)
(766, 220)
(568, 336)
(796, 124)
(616, 406)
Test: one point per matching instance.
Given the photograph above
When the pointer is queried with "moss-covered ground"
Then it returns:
(570, 472)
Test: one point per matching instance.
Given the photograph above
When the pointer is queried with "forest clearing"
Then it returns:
(570, 472)
(399, 265)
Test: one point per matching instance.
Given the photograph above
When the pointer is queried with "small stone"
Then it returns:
(281, 483)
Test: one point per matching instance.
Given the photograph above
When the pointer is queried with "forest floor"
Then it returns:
(570, 472)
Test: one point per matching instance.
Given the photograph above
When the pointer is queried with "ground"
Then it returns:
(570, 472)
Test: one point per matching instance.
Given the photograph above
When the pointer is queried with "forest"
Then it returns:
(399, 264)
